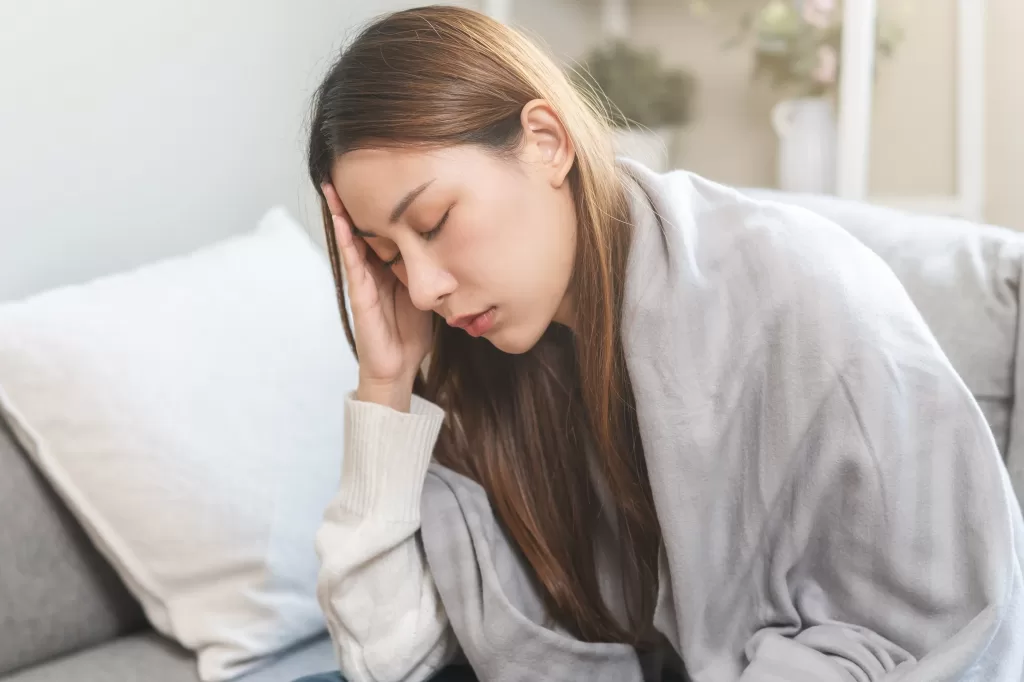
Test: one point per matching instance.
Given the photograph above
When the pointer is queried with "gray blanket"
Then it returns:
(833, 505)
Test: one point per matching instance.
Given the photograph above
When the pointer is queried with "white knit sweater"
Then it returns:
(382, 609)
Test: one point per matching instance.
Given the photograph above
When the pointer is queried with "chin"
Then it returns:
(515, 341)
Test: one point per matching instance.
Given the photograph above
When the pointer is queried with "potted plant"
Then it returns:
(796, 48)
(648, 102)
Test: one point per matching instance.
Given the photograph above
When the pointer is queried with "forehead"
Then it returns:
(371, 181)
(364, 167)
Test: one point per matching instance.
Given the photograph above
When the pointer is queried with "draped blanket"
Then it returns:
(833, 505)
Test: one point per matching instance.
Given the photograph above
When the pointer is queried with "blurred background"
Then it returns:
(131, 130)
(946, 109)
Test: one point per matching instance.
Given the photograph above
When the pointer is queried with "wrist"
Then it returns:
(394, 394)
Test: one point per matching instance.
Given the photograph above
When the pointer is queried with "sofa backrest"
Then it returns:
(57, 594)
(965, 279)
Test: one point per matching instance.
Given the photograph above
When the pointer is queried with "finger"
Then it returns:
(343, 224)
(333, 200)
(339, 217)
(364, 273)
(352, 257)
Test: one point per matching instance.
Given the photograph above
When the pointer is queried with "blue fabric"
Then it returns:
(323, 677)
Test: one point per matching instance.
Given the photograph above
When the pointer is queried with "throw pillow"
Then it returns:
(190, 414)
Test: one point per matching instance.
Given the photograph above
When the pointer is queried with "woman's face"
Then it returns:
(487, 243)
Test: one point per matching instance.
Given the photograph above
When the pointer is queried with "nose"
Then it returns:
(427, 281)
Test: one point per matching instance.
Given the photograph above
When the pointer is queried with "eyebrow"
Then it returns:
(398, 210)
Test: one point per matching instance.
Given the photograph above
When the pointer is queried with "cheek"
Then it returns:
(505, 253)
(537, 265)
(463, 250)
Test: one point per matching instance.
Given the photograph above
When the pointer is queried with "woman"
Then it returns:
(673, 430)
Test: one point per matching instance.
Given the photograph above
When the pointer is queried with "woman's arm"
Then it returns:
(380, 603)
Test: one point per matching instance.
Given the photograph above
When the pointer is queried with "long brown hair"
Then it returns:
(519, 425)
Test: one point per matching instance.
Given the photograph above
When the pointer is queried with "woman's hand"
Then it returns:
(392, 335)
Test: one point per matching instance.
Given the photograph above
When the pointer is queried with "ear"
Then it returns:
(546, 142)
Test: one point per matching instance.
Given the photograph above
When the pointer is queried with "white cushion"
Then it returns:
(190, 414)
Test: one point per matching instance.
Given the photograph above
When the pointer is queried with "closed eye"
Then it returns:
(426, 235)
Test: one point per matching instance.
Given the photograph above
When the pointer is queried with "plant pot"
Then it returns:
(807, 145)
(652, 148)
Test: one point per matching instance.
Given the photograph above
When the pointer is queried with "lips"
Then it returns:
(475, 325)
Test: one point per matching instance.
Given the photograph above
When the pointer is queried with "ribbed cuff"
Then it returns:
(386, 457)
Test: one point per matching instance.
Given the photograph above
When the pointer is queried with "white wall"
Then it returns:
(1005, 111)
(131, 130)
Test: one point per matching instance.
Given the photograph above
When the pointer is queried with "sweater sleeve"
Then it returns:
(380, 603)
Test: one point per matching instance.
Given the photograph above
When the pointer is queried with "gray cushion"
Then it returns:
(56, 593)
(147, 657)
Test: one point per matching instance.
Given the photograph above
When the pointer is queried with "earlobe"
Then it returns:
(567, 160)
(549, 139)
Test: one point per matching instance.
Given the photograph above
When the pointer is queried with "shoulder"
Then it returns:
(719, 232)
(802, 271)
(740, 281)
(780, 242)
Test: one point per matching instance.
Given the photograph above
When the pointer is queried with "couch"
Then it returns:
(65, 616)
